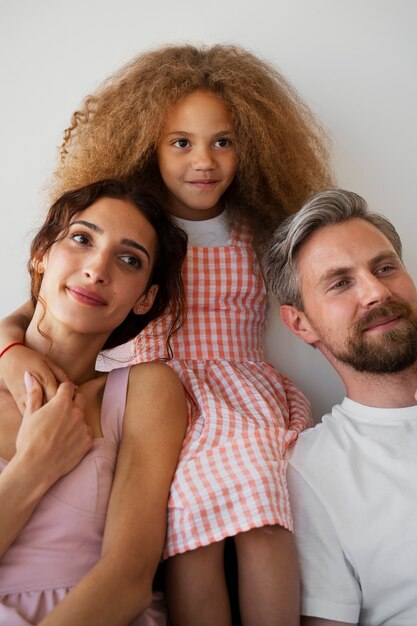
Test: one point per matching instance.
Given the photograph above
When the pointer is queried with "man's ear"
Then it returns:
(146, 300)
(298, 323)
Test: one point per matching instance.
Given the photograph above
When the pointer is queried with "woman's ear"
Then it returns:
(39, 265)
(146, 300)
(298, 323)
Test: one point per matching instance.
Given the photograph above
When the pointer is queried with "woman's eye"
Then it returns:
(131, 261)
(181, 143)
(80, 238)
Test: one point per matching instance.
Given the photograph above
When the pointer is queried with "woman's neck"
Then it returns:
(75, 353)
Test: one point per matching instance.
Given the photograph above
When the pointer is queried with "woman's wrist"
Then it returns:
(10, 345)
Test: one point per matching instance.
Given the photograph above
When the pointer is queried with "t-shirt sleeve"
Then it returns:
(329, 586)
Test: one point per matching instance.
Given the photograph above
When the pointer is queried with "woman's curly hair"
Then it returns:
(282, 149)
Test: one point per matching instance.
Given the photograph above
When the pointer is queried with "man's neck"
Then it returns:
(381, 390)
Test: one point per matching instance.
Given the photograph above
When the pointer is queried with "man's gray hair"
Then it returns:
(333, 206)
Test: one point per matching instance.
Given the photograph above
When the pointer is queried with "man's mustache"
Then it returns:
(400, 309)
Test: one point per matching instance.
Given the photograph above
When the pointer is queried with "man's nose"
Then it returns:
(373, 290)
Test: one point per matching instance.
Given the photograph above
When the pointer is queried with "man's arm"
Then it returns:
(330, 593)
(317, 621)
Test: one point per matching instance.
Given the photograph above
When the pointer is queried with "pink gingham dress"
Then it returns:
(243, 414)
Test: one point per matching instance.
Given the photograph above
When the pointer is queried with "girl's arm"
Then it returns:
(119, 586)
(19, 359)
(52, 440)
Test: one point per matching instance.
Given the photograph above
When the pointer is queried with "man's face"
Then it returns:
(360, 304)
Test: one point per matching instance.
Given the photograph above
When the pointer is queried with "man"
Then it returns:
(336, 268)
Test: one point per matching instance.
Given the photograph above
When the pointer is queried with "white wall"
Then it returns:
(354, 61)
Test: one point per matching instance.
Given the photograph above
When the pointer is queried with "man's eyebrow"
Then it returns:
(386, 255)
(126, 242)
(335, 272)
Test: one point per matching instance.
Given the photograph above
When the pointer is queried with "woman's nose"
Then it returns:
(97, 268)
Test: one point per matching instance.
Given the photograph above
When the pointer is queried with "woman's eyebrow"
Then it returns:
(134, 244)
(126, 242)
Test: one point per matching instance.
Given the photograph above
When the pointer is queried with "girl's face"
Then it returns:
(197, 156)
(100, 270)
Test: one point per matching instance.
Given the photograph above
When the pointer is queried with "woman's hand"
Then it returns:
(51, 441)
(19, 359)
(54, 436)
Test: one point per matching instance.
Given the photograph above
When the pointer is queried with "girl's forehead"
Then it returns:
(200, 102)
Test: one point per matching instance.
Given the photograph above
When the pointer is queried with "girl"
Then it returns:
(231, 150)
(105, 263)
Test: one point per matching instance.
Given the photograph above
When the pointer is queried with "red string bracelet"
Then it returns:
(14, 343)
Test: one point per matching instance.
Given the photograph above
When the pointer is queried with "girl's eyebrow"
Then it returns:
(126, 242)
(185, 133)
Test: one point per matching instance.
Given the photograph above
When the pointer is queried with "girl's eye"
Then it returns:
(181, 143)
(80, 238)
(131, 261)
(223, 142)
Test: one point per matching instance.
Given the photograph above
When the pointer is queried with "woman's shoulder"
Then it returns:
(155, 372)
(155, 382)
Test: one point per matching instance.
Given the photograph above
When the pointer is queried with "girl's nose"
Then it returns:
(203, 158)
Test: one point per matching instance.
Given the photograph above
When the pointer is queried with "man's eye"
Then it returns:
(385, 269)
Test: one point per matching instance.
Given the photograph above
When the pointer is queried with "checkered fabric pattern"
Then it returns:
(243, 414)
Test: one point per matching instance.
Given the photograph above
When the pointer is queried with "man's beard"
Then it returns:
(386, 353)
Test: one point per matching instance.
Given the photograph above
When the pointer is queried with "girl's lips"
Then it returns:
(202, 184)
(84, 296)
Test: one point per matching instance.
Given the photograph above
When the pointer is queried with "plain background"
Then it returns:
(354, 61)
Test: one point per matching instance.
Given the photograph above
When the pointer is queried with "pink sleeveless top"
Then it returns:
(62, 540)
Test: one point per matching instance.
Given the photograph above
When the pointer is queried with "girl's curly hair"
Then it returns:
(282, 149)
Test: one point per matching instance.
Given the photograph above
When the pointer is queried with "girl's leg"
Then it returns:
(196, 588)
(269, 584)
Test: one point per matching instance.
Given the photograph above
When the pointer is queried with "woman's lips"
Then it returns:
(84, 296)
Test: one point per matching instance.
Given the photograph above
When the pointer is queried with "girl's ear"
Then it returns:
(298, 323)
(146, 300)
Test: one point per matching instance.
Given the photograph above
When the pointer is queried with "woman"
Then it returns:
(81, 535)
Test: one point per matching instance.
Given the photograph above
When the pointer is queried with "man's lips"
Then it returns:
(383, 323)
(85, 296)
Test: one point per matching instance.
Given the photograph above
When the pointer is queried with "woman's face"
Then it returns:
(101, 269)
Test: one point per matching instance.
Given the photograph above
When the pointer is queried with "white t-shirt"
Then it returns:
(353, 490)
(211, 233)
